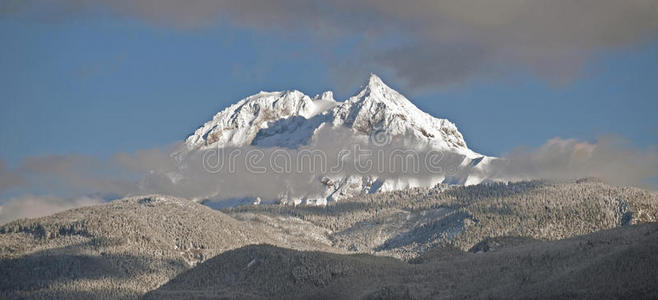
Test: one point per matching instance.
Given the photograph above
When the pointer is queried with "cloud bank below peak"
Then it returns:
(434, 42)
(54, 183)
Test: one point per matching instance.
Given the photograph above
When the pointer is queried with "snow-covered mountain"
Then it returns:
(255, 120)
(291, 119)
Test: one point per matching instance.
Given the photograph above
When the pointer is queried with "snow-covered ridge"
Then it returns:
(238, 124)
(375, 106)
(291, 119)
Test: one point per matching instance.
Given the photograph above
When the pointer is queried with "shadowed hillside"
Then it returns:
(128, 247)
(407, 223)
(123, 248)
(619, 263)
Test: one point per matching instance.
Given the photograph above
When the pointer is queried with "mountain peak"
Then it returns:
(374, 80)
(289, 119)
(292, 120)
(376, 91)
(375, 85)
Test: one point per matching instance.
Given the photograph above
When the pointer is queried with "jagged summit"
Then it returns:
(375, 106)
(291, 119)
(374, 81)
(378, 106)
(239, 124)
(377, 91)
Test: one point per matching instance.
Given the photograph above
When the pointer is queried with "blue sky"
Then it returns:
(98, 85)
(93, 93)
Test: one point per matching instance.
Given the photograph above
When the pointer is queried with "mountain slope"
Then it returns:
(376, 115)
(239, 124)
(119, 249)
(127, 247)
(407, 223)
(375, 107)
(619, 263)
(378, 107)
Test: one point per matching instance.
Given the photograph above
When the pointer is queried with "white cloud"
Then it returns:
(440, 41)
(611, 159)
(31, 206)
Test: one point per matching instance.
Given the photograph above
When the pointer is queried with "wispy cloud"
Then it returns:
(31, 206)
(8, 179)
(437, 42)
(611, 159)
(53, 183)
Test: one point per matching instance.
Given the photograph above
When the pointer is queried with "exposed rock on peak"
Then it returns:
(375, 107)
(291, 119)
